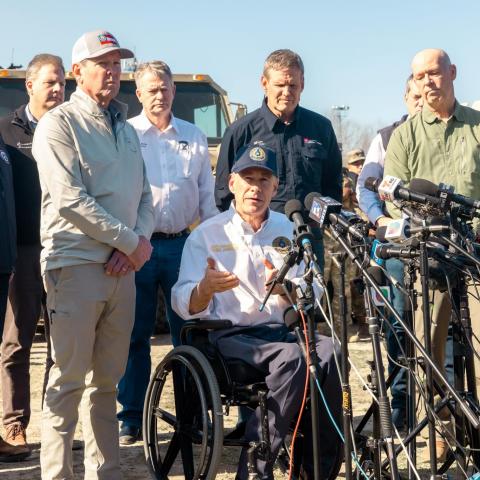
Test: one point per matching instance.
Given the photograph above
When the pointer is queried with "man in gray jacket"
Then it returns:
(97, 215)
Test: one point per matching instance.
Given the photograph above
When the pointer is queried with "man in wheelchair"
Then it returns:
(226, 264)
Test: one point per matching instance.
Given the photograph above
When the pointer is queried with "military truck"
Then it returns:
(198, 100)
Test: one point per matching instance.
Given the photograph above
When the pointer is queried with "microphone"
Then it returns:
(429, 188)
(390, 189)
(381, 280)
(397, 230)
(327, 211)
(386, 251)
(400, 230)
(294, 212)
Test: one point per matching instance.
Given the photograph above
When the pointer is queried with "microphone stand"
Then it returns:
(346, 389)
(409, 280)
(383, 430)
(428, 349)
(463, 405)
(305, 304)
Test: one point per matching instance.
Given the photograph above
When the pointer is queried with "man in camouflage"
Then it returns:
(333, 257)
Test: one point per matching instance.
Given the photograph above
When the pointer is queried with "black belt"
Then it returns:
(168, 236)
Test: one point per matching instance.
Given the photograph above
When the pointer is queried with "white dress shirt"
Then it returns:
(236, 248)
(179, 172)
(369, 202)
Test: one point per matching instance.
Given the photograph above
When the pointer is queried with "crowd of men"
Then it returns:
(97, 211)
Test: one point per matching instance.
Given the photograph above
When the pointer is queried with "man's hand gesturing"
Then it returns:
(212, 282)
(270, 273)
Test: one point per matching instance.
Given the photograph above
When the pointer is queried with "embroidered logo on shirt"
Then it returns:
(257, 154)
(225, 247)
(4, 157)
(311, 141)
(183, 145)
(282, 245)
(24, 145)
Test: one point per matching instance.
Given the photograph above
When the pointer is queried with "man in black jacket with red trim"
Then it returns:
(308, 157)
(45, 84)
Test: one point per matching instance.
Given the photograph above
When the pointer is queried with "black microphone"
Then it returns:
(386, 251)
(303, 234)
(426, 187)
(429, 188)
(327, 211)
(390, 189)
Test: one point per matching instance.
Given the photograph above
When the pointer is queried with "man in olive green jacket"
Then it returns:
(439, 144)
(97, 217)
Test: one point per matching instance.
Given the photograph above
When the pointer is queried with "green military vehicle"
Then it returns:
(198, 100)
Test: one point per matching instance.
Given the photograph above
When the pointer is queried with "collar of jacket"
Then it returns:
(458, 114)
(86, 103)
(271, 119)
(20, 119)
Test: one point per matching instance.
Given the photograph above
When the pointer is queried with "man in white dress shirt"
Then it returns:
(178, 168)
(227, 264)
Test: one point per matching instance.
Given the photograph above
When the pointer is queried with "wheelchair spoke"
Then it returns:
(187, 457)
(171, 454)
(167, 417)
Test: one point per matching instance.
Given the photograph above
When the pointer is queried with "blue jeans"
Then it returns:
(396, 337)
(160, 271)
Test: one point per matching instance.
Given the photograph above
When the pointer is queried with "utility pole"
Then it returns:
(340, 111)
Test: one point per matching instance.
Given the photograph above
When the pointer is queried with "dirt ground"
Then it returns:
(132, 457)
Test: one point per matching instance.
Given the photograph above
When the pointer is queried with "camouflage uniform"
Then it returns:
(355, 305)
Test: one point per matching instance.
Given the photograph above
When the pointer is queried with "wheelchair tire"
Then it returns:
(183, 417)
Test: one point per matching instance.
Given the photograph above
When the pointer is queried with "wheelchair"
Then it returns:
(189, 393)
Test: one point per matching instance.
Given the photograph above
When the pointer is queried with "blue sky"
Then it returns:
(355, 52)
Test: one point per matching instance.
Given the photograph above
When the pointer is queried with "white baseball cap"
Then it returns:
(97, 43)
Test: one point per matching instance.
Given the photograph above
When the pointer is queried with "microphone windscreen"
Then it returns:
(372, 183)
(380, 233)
(293, 206)
(420, 185)
(309, 199)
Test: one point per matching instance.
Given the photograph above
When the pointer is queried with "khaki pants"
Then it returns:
(440, 311)
(91, 318)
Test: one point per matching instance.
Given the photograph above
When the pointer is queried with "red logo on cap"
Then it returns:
(106, 38)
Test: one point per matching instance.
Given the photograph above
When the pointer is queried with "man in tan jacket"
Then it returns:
(97, 215)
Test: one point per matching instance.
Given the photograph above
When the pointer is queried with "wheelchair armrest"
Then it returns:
(203, 325)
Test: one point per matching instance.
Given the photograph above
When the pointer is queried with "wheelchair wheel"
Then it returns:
(183, 418)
